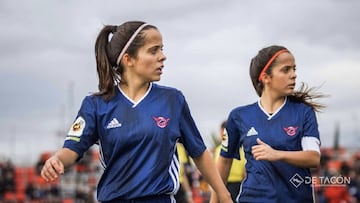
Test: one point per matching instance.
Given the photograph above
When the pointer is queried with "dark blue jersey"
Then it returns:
(273, 182)
(137, 141)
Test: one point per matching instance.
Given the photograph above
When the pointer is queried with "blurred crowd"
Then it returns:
(337, 180)
(19, 184)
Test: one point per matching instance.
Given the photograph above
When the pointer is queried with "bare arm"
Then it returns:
(206, 166)
(56, 164)
(305, 159)
(223, 166)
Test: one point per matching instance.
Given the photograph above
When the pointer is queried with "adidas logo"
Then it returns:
(252, 132)
(114, 123)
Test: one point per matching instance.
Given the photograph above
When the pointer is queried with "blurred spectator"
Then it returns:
(354, 187)
(31, 192)
(237, 170)
(8, 177)
(336, 194)
(184, 194)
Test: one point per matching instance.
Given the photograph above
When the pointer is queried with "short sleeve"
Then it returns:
(82, 134)
(190, 135)
(311, 124)
(231, 139)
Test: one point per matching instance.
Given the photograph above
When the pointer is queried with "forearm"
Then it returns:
(206, 166)
(304, 159)
(67, 157)
(223, 165)
(57, 163)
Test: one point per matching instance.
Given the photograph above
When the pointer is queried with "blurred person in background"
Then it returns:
(237, 170)
(184, 195)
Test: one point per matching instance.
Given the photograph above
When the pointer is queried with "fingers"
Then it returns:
(263, 151)
(52, 168)
(259, 151)
(259, 141)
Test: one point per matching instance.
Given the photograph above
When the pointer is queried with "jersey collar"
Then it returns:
(134, 104)
(272, 115)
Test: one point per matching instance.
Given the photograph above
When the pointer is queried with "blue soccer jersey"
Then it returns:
(137, 141)
(266, 181)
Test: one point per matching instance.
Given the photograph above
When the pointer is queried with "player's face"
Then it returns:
(282, 81)
(150, 58)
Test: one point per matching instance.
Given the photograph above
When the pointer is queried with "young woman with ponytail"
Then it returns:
(136, 123)
(278, 133)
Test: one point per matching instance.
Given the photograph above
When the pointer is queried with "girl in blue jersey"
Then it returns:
(279, 134)
(136, 123)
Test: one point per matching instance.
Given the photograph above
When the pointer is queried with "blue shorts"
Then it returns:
(149, 199)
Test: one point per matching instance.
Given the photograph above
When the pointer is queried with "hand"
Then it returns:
(189, 197)
(263, 151)
(52, 168)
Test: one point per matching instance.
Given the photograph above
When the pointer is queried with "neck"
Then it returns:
(134, 91)
(271, 104)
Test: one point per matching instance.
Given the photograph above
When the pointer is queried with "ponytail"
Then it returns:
(306, 95)
(106, 73)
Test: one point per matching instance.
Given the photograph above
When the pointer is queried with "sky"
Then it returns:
(47, 62)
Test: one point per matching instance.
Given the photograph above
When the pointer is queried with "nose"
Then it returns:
(162, 57)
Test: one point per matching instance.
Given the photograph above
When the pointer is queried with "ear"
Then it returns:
(127, 60)
(266, 78)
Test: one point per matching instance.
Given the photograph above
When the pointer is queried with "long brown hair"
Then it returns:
(304, 94)
(107, 52)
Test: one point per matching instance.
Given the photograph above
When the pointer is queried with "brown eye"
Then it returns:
(286, 69)
(154, 50)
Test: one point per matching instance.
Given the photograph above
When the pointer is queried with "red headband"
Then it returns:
(269, 62)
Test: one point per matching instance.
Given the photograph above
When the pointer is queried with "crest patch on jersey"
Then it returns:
(161, 122)
(224, 141)
(291, 130)
(77, 127)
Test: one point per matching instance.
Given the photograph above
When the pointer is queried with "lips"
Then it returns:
(159, 70)
(292, 85)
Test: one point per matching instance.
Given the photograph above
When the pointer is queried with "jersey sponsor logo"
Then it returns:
(161, 122)
(114, 123)
(291, 130)
(252, 132)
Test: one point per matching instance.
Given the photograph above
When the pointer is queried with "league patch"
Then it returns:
(77, 127)
(224, 141)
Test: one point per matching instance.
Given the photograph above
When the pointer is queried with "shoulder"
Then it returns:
(167, 91)
(164, 88)
(90, 99)
(95, 101)
(244, 109)
(299, 105)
